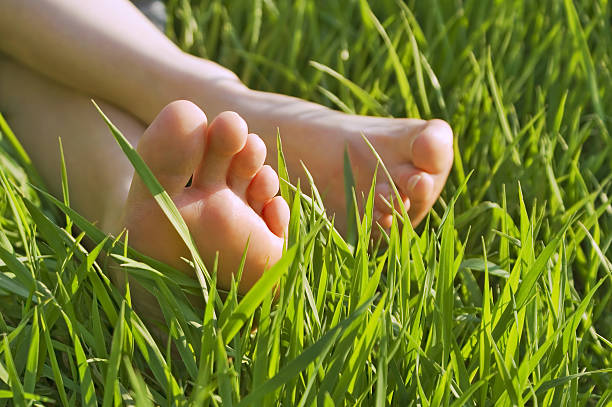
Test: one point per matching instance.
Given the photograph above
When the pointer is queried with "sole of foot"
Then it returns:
(230, 202)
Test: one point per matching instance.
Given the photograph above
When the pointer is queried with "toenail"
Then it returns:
(414, 139)
(413, 181)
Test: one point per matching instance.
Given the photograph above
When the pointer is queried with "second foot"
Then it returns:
(231, 200)
(417, 153)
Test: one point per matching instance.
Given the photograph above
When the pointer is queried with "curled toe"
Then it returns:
(226, 136)
(276, 215)
(432, 147)
(262, 188)
(246, 164)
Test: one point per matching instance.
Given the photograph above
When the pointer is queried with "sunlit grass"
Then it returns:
(501, 297)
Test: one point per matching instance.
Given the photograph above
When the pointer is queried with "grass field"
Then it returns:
(503, 296)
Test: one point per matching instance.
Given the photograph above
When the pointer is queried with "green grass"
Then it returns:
(501, 297)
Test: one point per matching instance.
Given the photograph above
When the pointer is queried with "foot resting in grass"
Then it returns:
(57, 54)
(417, 153)
(230, 201)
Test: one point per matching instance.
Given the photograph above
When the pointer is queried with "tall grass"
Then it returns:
(501, 297)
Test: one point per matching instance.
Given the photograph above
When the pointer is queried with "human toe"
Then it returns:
(386, 200)
(226, 136)
(172, 146)
(276, 215)
(263, 187)
(246, 164)
(431, 148)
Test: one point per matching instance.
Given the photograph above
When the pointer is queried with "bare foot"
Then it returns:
(417, 153)
(230, 201)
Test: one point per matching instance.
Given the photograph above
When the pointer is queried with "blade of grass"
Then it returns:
(14, 383)
(114, 361)
(163, 199)
(318, 349)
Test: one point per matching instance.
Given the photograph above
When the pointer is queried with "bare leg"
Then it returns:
(40, 111)
(232, 197)
(132, 65)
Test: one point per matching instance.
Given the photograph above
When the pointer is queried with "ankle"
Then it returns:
(209, 85)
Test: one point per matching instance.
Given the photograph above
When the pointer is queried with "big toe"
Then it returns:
(431, 148)
(430, 158)
(172, 146)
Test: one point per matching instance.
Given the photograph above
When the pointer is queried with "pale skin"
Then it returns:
(57, 54)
